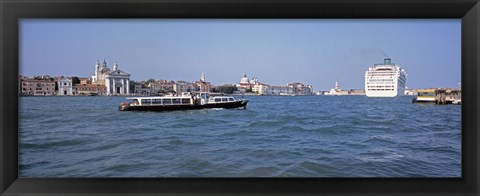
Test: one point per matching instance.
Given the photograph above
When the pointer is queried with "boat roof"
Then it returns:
(160, 97)
(426, 90)
(221, 97)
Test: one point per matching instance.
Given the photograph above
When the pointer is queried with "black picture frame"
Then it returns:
(466, 10)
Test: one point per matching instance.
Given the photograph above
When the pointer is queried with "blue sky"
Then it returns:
(316, 51)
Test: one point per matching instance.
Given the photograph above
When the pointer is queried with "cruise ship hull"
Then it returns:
(398, 92)
(380, 94)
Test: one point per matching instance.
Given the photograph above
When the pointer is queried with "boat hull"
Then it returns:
(227, 105)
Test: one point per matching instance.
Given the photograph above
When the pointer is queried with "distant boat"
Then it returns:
(425, 96)
(185, 101)
(438, 96)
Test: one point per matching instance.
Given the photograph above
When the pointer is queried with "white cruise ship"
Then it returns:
(385, 80)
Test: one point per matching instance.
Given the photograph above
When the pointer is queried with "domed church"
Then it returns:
(116, 80)
(246, 83)
(244, 79)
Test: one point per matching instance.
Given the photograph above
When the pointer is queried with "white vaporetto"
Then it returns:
(385, 80)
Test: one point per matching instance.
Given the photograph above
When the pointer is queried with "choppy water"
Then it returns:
(310, 136)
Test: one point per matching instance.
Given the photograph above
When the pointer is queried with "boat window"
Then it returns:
(185, 101)
(157, 101)
(230, 99)
(217, 99)
(167, 101)
(146, 101)
(224, 99)
(175, 101)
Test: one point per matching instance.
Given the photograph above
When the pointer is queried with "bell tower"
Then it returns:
(202, 78)
(97, 70)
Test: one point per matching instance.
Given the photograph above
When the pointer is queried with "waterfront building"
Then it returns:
(202, 85)
(90, 89)
(137, 90)
(337, 90)
(280, 90)
(260, 88)
(246, 84)
(161, 86)
(85, 80)
(182, 86)
(301, 89)
(65, 86)
(322, 93)
(253, 85)
(39, 85)
(356, 92)
(254, 81)
(20, 79)
(141, 89)
(116, 81)
(385, 80)
(100, 72)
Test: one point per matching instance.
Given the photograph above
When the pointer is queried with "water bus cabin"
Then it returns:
(186, 101)
(425, 96)
(438, 96)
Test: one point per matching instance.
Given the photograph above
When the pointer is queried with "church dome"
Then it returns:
(104, 70)
(244, 80)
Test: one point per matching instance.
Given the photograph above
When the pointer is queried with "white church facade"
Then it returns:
(116, 81)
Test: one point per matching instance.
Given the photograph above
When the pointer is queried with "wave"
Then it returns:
(124, 168)
(312, 169)
(53, 144)
(266, 171)
(380, 156)
(292, 128)
(235, 133)
(263, 123)
(381, 138)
